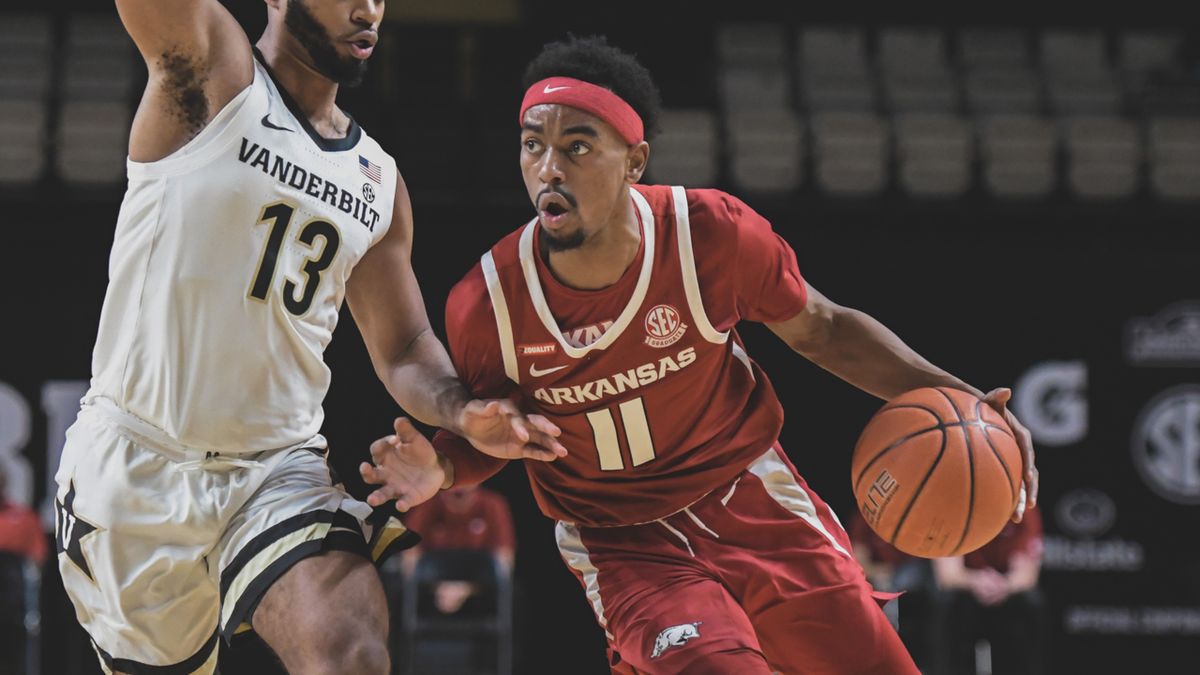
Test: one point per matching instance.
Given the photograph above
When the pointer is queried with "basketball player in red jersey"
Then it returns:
(613, 313)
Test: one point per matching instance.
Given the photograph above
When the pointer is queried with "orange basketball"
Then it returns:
(936, 472)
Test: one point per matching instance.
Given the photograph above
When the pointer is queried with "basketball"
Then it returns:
(937, 472)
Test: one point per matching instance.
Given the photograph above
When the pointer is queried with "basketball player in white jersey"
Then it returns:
(193, 496)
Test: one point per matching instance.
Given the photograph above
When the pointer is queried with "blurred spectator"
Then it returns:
(469, 518)
(991, 595)
(891, 570)
(20, 529)
(22, 540)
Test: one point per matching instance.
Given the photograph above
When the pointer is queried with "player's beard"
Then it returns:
(345, 71)
(556, 243)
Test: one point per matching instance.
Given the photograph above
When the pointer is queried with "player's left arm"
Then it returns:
(767, 287)
(386, 302)
(862, 351)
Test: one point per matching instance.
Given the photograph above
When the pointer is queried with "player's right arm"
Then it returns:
(198, 59)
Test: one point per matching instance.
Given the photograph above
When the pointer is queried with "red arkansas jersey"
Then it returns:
(657, 399)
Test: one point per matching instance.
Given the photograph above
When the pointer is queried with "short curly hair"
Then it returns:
(593, 60)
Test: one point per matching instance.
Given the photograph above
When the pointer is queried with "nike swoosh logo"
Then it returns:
(551, 90)
(533, 370)
(267, 123)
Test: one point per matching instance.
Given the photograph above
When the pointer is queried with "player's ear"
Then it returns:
(635, 161)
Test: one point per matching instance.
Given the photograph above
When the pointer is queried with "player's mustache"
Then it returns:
(558, 190)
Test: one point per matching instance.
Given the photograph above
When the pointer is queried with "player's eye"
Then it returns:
(580, 148)
(532, 145)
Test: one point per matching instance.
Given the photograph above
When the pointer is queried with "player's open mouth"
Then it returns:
(554, 214)
(553, 211)
(362, 46)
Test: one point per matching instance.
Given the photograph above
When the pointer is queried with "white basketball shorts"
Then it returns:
(163, 549)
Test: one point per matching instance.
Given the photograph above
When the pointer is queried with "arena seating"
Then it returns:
(686, 151)
(838, 110)
(96, 93)
(766, 148)
(1104, 154)
(934, 152)
(25, 79)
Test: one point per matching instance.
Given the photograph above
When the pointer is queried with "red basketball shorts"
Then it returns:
(756, 577)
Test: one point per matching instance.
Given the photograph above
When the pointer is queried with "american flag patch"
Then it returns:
(370, 169)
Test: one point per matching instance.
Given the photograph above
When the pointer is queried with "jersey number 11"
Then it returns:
(637, 435)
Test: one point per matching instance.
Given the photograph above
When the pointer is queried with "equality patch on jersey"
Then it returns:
(539, 349)
(675, 636)
(664, 327)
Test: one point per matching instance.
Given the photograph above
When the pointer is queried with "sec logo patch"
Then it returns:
(664, 326)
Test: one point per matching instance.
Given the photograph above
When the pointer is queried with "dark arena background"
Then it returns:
(1013, 188)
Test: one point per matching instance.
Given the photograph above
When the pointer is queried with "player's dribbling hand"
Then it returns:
(498, 428)
(998, 399)
(406, 468)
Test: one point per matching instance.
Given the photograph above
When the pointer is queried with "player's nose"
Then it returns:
(550, 167)
(367, 12)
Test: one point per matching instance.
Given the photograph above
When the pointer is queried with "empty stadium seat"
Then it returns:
(1174, 153)
(993, 48)
(1153, 74)
(752, 44)
(834, 72)
(915, 73)
(1141, 53)
(22, 141)
(766, 151)
(1018, 152)
(999, 90)
(851, 153)
(1104, 156)
(754, 88)
(998, 75)
(99, 63)
(25, 56)
(1079, 78)
(934, 154)
(685, 152)
(24, 31)
(93, 142)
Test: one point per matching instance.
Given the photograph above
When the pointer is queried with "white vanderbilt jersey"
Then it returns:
(228, 271)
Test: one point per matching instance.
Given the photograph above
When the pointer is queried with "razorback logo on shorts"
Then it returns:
(675, 636)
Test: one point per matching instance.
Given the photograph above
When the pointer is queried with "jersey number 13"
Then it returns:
(279, 215)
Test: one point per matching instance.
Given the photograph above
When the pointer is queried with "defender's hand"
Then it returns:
(998, 399)
(407, 468)
(498, 428)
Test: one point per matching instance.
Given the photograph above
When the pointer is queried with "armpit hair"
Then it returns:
(185, 80)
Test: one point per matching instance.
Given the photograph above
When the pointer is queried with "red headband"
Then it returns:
(589, 98)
